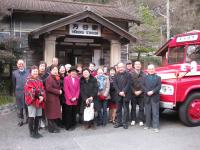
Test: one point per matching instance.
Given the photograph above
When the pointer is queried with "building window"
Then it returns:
(23, 36)
(4, 35)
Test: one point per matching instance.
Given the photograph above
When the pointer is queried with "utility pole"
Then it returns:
(167, 17)
(168, 21)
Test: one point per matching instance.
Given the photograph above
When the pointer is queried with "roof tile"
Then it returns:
(62, 6)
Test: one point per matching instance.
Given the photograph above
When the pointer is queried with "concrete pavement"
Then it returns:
(172, 136)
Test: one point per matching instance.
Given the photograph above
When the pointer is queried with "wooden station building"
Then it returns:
(73, 32)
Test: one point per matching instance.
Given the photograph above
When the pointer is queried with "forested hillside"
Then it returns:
(152, 33)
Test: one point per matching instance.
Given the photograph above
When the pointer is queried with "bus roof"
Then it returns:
(192, 37)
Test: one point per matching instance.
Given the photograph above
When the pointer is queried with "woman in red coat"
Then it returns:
(53, 91)
(34, 98)
(72, 92)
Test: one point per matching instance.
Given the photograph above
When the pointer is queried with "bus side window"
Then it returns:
(193, 54)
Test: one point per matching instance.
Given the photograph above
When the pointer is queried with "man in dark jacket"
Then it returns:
(151, 87)
(138, 96)
(122, 85)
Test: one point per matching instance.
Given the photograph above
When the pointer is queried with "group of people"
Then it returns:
(54, 96)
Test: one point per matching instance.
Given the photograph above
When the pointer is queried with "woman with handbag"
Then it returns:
(34, 98)
(89, 90)
(103, 96)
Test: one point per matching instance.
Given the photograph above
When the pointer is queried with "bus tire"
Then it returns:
(189, 111)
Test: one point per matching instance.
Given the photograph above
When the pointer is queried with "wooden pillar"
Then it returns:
(50, 49)
(115, 52)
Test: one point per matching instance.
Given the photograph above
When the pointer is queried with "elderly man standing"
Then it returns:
(54, 63)
(122, 85)
(151, 86)
(18, 79)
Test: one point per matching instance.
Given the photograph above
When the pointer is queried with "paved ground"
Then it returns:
(172, 136)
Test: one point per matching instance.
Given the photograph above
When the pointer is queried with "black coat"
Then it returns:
(137, 80)
(62, 97)
(122, 82)
(113, 93)
(89, 88)
(152, 83)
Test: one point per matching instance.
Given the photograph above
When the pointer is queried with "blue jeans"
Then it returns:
(102, 113)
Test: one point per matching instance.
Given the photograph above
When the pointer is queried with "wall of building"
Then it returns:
(22, 24)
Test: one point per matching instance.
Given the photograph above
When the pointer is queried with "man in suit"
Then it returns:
(151, 87)
(122, 85)
(18, 80)
(138, 96)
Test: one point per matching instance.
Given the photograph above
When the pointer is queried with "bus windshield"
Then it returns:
(193, 54)
(176, 55)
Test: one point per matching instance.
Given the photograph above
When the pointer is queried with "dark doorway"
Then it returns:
(74, 54)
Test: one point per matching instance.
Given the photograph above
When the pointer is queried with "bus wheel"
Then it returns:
(189, 111)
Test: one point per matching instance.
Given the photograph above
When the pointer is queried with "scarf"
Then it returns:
(101, 83)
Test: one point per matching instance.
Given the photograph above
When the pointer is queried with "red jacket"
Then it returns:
(33, 89)
(71, 90)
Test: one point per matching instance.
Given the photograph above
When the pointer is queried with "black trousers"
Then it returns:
(69, 116)
(122, 118)
(140, 101)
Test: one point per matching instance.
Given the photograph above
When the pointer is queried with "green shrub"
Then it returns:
(5, 99)
(5, 86)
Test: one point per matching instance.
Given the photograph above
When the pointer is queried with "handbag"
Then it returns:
(102, 98)
(89, 113)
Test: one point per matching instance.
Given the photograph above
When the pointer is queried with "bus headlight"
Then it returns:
(167, 89)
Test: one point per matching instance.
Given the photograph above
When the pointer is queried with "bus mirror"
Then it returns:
(193, 66)
(183, 67)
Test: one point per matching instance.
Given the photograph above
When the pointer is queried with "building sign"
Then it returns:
(85, 29)
(187, 38)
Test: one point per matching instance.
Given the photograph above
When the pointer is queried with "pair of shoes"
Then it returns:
(117, 125)
(86, 126)
(125, 126)
(54, 131)
(20, 124)
(37, 135)
(99, 123)
(156, 130)
(92, 126)
(72, 128)
(141, 123)
(104, 124)
(132, 123)
(146, 128)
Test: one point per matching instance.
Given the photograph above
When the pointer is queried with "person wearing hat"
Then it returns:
(72, 91)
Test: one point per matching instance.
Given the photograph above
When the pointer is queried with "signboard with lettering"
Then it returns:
(85, 29)
(187, 38)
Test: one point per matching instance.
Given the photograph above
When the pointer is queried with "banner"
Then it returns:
(85, 29)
